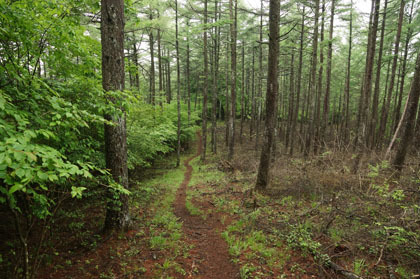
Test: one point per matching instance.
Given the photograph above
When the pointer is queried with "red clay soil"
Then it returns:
(209, 258)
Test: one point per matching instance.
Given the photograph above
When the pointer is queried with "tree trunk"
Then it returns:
(226, 113)
(367, 83)
(204, 112)
(271, 97)
(188, 72)
(112, 40)
(348, 75)
(404, 65)
(152, 64)
(232, 114)
(409, 118)
(259, 98)
(215, 84)
(168, 82)
(319, 87)
(371, 138)
(159, 64)
(385, 110)
(178, 85)
(136, 63)
(299, 84)
(242, 92)
(253, 103)
(312, 80)
(326, 111)
(291, 101)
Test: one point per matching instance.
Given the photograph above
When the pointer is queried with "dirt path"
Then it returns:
(210, 257)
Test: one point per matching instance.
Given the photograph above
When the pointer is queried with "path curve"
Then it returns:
(209, 258)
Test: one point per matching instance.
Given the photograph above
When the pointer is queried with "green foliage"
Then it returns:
(300, 236)
(152, 131)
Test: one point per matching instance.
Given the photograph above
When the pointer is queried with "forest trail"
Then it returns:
(209, 257)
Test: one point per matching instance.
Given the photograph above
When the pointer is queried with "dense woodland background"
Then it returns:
(93, 94)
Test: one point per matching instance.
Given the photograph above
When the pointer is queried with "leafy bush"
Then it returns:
(152, 131)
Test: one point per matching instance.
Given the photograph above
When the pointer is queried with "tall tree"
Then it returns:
(152, 88)
(346, 133)
(242, 92)
(329, 70)
(205, 86)
(233, 7)
(362, 132)
(375, 101)
(260, 79)
(216, 47)
(404, 64)
(188, 71)
(299, 82)
(271, 98)
(319, 90)
(113, 78)
(178, 86)
(385, 109)
(409, 118)
(312, 83)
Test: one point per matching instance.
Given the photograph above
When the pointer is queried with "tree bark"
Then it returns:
(372, 139)
(152, 64)
(271, 98)
(319, 86)
(299, 83)
(113, 75)
(242, 92)
(159, 64)
(253, 102)
(215, 84)
(385, 110)
(204, 112)
(232, 114)
(260, 76)
(178, 85)
(312, 82)
(367, 83)
(188, 72)
(326, 110)
(409, 118)
(404, 65)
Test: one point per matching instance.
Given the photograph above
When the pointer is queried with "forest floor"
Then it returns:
(202, 220)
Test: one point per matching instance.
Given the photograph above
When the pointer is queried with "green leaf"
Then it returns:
(77, 191)
(31, 156)
(16, 187)
(42, 175)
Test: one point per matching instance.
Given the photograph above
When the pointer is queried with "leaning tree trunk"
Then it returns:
(409, 118)
(271, 98)
(112, 40)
